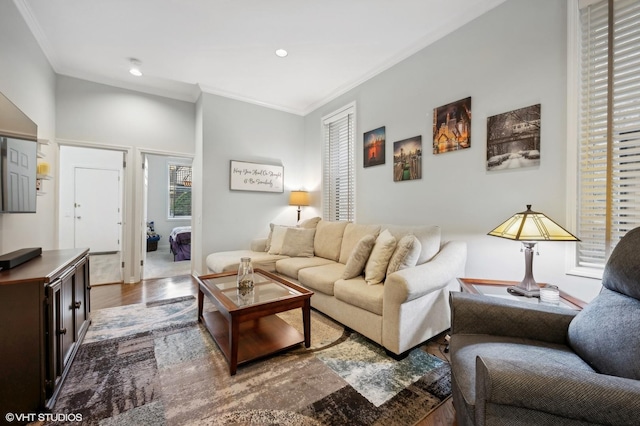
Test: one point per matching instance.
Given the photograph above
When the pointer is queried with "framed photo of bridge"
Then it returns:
(513, 139)
(245, 176)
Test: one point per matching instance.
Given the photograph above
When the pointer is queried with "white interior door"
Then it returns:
(97, 209)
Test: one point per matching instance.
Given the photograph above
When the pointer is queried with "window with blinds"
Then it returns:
(338, 184)
(608, 127)
(179, 191)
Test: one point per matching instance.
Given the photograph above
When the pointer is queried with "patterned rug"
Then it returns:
(155, 365)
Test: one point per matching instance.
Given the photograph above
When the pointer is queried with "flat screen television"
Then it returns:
(18, 159)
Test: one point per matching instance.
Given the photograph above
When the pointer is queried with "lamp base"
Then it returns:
(528, 287)
(519, 291)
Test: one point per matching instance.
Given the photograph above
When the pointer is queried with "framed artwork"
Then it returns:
(513, 139)
(407, 159)
(374, 150)
(452, 126)
(256, 177)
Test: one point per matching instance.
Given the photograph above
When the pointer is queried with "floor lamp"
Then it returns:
(299, 198)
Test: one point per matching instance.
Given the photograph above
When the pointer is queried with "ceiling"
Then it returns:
(227, 47)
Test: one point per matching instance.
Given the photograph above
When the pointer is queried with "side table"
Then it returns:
(497, 288)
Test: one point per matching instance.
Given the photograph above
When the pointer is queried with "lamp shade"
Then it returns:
(299, 198)
(532, 226)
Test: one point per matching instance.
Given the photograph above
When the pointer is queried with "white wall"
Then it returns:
(512, 57)
(27, 79)
(157, 198)
(234, 130)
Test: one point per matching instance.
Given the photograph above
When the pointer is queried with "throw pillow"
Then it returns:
(358, 257)
(309, 223)
(376, 267)
(277, 239)
(268, 244)
(406, 254)
(298, 242)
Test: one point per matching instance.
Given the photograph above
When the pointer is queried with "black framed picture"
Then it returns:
(374, 147)
(513, 139)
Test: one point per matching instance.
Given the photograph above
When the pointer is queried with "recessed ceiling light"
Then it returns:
(135, 67)
(281, 53)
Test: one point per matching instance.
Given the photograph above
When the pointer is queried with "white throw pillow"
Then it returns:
(358, 257)
(277, 239)
(376, 268)
(298, 242)
(406, 254)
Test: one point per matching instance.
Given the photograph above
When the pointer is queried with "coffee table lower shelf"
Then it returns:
(260, 337)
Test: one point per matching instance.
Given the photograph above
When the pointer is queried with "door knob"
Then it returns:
(78, 217)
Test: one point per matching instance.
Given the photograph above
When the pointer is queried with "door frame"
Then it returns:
(140, 225)
(127, 178)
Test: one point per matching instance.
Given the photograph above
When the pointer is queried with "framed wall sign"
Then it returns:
(256, 177)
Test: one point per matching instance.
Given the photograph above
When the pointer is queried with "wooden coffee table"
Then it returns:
(246, 329)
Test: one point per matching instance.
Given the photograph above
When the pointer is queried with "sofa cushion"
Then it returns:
(225, 261)
(328, 239)
(358, 293)
(376, 267)
(353, 233)
(429, 237)
(321, 278)
(298, 242)
(292, 265)
(406, 254)
(358, 258)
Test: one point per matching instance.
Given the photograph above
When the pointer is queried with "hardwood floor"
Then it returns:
(112, 295)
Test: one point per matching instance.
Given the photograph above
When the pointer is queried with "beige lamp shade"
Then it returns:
(532, 226)
(299, 198)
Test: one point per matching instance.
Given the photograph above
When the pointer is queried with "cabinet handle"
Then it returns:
(62, 331)
(77, 305)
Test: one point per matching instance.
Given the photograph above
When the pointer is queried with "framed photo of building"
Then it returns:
(407, 159)
(452, 126)
(374, 149)
(513, 139)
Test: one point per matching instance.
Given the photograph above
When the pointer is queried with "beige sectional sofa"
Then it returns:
(390, 283)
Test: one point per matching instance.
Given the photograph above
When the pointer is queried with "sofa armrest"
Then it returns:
(412, 283)
(259, 244)
(582, 395)
(479, 314)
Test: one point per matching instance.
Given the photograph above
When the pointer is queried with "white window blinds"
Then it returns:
(609, 128)
(338, 185)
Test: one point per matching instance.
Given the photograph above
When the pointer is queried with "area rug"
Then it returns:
(156, 365)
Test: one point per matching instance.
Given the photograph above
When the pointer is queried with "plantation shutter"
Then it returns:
(339, 166)
(609, 128)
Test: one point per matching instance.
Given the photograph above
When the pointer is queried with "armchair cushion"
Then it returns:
(595, 334)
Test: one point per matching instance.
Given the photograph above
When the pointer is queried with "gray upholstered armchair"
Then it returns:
(514, 363)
